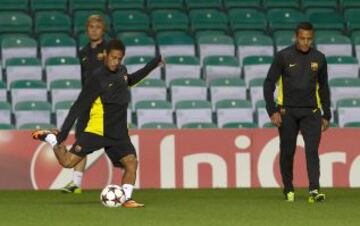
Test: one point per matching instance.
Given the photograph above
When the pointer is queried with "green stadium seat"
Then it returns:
(348, 125)
(348, 111)
(233, 110)
(215, 45)
(139, 45)
(242, 4)
(208, 19)
(130, 20)
(27, 90)
(205, 33)
(181, 67)
(193, 111)
(17, 47)
(342, 67)
(15, 21)
(136, 62)
(227, 88)
(61, 111)
(325, 19)
(262, 116)
(62, 68)
(247, 19)
(81, 17)
(148, 89)
(187, 89)
(334, 44)
(256, 67)
(165, 4)
(352, 19)
(158, 125)
(6, 126)
(344, 4)
(282, 4)
(342, 88)
(25, 111)
(23, 68)
(45, 5)
(239, 125)
(64, 90)
(126, 4)
(9, 5)
(269, 125)
(56, 45)
(33, 126)
(75, 5)
(283, 39)
(169, 20)
(221, 67)
(256, 90)
(52, 21)
(175, 44)
(252, 44)
(196, 4)
(199, 125)
(280, 19)
(5, 112)
(156, 111)
(319, 4)
(3, 91)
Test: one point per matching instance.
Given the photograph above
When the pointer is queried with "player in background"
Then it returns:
(91, 58)
(106, 96)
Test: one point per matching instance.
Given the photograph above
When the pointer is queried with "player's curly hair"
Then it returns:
(115, 44)
(304, 26)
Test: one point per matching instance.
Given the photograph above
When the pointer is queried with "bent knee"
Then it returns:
(130, 161)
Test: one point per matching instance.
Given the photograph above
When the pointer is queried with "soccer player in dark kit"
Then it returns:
(106, 96)
(301, 72)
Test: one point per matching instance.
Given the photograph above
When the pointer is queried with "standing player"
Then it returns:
(303, 90)
(106, 96)
(91, 58)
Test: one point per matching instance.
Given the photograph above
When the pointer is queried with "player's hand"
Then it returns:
(162, 62)
(324, 124)
(276, 119)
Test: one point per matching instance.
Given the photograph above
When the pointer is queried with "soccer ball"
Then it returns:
(112, 196)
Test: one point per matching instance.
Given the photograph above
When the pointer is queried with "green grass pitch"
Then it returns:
(201, 207)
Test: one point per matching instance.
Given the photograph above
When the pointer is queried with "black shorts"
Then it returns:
(87, 143)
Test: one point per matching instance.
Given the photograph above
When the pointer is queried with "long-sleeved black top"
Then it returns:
(91, 59)
(303, 81)
(106, 96)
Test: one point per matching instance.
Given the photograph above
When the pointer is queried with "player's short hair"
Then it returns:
(304, 26)
(115, 44)
(96, 18)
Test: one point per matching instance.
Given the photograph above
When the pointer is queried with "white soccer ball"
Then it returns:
(112, 196)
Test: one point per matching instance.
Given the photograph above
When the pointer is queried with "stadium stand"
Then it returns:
(217, 54)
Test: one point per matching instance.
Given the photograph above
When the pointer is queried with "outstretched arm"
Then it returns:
(139, 75)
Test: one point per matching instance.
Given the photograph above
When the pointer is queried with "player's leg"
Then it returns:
(311, 130)
(65, 158)
(74, 186)
(288, 132)
(124, 156)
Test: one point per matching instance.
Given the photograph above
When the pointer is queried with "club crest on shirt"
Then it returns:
(314, 66)
(77, 148)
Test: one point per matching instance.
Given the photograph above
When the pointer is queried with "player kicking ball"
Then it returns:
(106, 96)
